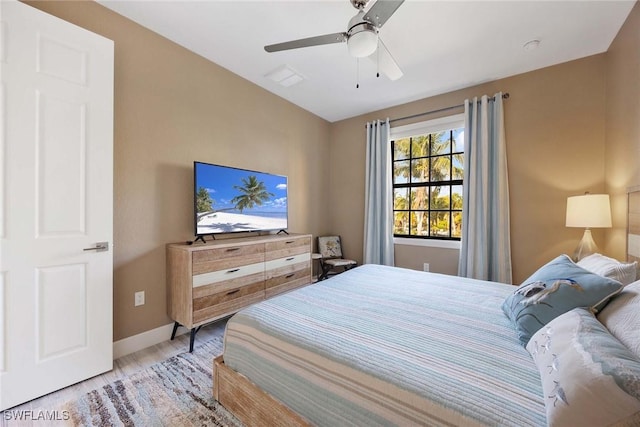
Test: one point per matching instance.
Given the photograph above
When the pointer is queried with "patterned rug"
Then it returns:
(176, 392)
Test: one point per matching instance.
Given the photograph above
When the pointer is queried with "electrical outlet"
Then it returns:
(138, 298)
(425, 266)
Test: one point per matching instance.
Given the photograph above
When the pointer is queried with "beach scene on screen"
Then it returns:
(232, 200)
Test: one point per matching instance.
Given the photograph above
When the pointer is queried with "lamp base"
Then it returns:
(586, 246)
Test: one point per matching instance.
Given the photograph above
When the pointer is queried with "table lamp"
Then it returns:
(588, 211)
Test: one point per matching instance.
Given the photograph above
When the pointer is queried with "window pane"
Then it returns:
(420, 170)
(440, 224)
(419, 198)
(401, 198)
(419, 223)
(401, 172)
(439, 198)
(458, 140)
(401, 223)
(401, 149)
(420, 146)
(440, 143)
(456, 197)
(458, 166)
(456, 225)
(440, 168)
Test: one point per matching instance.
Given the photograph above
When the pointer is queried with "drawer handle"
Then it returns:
(233, 271)
(233, 292)
(290, 259)
(233, 249)
(289, 242)
(289, 276)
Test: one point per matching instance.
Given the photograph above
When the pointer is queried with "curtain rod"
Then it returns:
(504, 96)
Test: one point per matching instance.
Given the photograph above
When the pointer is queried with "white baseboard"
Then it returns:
(146, 339)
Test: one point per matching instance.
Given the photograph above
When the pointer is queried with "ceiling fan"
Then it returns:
(361, 36)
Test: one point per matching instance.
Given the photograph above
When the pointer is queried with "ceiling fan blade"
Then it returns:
(386, 64)
(310, 41)
(381, 11)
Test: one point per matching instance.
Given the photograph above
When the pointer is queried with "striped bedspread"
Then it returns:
(388, 346)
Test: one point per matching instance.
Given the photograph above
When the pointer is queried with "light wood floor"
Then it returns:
(122, 367)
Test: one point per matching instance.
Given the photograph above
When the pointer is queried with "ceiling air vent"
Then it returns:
(285, 76)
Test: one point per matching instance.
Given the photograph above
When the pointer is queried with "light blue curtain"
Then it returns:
(378, 202)
(485, 251)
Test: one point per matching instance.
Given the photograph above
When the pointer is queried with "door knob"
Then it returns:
(100, 247)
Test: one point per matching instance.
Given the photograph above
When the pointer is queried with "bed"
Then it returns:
(388, 346)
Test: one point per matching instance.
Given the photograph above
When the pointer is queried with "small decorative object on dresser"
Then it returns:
(211, 281)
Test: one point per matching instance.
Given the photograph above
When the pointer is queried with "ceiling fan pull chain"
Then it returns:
(378, 60)
(357, 73)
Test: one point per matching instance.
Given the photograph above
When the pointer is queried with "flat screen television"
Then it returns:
(231, 200)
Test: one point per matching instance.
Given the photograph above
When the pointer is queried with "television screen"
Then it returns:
(229, 200)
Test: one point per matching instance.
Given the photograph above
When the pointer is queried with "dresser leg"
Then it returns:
(175, 328)
(194, 331)
(193, 337)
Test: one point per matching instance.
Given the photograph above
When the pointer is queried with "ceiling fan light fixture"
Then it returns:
(362, 41)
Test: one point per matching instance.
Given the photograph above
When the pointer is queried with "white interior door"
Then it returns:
(56, 199)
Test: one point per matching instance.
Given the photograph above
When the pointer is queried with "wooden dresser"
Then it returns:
(209, 281)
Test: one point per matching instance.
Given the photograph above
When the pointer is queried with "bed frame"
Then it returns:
(254, 407)
(248, 402)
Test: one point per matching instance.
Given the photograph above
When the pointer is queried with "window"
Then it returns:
(428, 179)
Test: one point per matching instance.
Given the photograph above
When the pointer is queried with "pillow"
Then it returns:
(609, 267)
(557, 287)
(588, 377)
(622, 317)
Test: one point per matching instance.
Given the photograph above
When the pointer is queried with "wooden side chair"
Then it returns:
(332, 261)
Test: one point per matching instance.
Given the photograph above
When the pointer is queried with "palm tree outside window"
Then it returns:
(427, 184)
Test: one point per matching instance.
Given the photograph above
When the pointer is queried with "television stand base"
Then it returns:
(196, 239)
(282, 231)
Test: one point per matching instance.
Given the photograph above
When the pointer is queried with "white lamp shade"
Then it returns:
(589, 211)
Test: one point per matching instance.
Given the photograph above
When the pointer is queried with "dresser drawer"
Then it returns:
(226, 296)
(286, 248)
(288, 278)
(218, 305)
(209, 260)
(227, 274)
(228, 285)
(287, 261)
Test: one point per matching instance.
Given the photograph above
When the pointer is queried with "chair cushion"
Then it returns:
(339, 262)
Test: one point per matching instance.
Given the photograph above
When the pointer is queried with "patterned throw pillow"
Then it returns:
(588, 377)
(557, 287)
(609, 267)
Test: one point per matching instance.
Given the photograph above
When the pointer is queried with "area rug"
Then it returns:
(175, 392)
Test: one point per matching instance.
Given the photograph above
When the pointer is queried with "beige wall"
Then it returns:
(173, 107)
(622, 127)
(555, 132)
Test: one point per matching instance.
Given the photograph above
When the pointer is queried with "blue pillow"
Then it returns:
(557, 287)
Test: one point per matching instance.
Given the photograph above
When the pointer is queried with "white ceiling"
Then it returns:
(440, 45)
